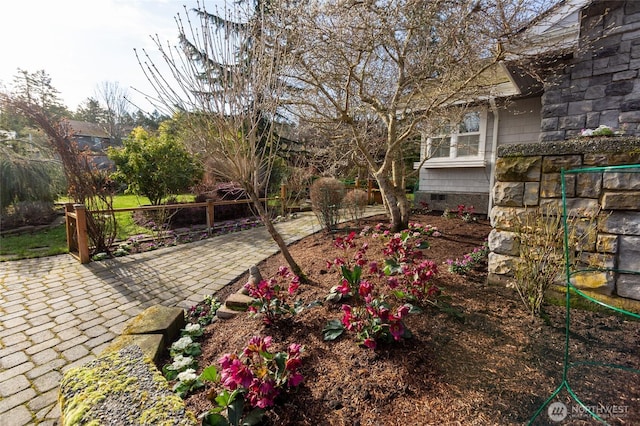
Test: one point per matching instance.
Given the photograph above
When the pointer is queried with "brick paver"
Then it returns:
(56, 314)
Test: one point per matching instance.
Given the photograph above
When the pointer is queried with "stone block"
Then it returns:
(225, 313)
(610, 159)
(552, 136)
(629, 200)
(607, 243)
(152, 345)
(588, 185)
(619, 88)
(594, 92)
(630, 105)
(573, 121)
(629, 254)
(576, 207)
(500, 264)
(622, 180)
(629, 117)
(550, 185)
(158, 319)
(548, 124)
(628, 285)
(508, 194)
(587, 260)
(518, 169)
(554, 110)
(555, 163)
(596, 281)
(121, 387)
(238, 302)
(508, 218)
(531, 194)
(504, 242)
(621, 223)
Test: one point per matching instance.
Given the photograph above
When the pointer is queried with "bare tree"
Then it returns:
(116, 112)
(224, 85)
(378, 73)
(85, 183)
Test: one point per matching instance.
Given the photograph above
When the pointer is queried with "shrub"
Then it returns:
(27, 213)
(355, 202)
(326, 201)
(541, 237)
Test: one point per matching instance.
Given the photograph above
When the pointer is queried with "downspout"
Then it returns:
(494, 150)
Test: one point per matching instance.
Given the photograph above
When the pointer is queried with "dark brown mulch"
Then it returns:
(494, 368)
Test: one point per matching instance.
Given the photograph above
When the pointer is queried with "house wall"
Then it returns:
(446, 188)
(601, 86)
(528, 181)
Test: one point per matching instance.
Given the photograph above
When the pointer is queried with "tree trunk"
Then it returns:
(396, 202)
(264, 216)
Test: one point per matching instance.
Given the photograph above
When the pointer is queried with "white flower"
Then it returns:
(188, 375)
(191, 328)
(179, 362)
(182, 343)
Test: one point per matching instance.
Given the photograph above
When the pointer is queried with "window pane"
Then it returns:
(468, 145)
(470, 123)
(440, 147)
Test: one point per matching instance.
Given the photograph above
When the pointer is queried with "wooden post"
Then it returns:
(283, 199)
(70, 225)
(81, 230)
(369, 191)
(210, 215)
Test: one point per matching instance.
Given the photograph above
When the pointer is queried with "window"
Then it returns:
(460, 145)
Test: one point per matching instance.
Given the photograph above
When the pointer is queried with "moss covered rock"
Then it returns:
(122, 387)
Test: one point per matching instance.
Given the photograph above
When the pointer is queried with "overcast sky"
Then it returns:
(82, 43)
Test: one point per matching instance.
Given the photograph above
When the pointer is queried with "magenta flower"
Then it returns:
(396, 329)
(365, 288)
(402, 311)
(295, 379)
(343, 288)
(393, 282)
(369, 343)
(294, 285)
(294, 349)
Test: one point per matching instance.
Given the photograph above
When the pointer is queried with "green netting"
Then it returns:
(572, 291)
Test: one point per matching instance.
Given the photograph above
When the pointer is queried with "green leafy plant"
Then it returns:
(469, 260)
(248, 382)
(188, 381)
(155, 165)
(271, 298)
(204, 312)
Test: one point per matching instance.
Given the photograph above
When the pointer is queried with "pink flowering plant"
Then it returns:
(251, 380)
(469, 260)
(273, 298)
(376, 314)
(467, 213)
(350, 266)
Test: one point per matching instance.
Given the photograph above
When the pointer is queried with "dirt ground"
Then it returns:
(496, 367)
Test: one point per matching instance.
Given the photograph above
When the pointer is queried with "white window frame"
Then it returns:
(454, 160)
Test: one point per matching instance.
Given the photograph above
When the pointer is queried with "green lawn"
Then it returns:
(39, 244)
(54, 240)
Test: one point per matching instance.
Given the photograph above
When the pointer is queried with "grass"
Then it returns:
(48, 242)
(53, 241)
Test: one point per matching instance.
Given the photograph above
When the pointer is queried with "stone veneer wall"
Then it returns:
(528, 176)
(601, 85)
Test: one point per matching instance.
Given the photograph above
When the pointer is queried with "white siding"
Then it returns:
(520, 122)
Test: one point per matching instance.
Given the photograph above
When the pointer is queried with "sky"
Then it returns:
(81, 44)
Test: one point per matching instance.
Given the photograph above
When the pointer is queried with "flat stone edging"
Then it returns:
(124, 385)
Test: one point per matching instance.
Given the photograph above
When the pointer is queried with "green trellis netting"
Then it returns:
(572, 291)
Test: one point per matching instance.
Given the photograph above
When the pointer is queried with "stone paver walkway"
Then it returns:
(56, 314)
